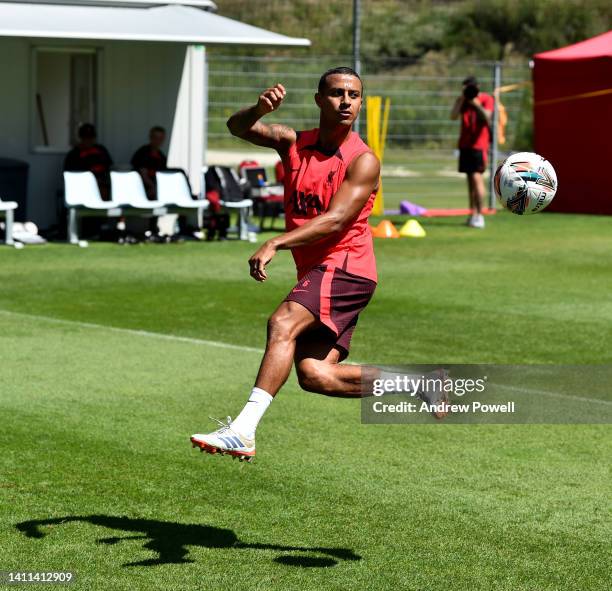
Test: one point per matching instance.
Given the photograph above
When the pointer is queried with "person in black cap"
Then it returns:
(89, 155)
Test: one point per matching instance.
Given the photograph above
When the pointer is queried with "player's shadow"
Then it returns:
(170, 540)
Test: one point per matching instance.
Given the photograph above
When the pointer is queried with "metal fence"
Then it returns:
(421, 135)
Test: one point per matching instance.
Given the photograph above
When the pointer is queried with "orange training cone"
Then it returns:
(385, 230)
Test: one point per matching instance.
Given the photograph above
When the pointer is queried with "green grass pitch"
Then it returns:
(97, 475)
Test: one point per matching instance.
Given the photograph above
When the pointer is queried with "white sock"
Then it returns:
(246, 422)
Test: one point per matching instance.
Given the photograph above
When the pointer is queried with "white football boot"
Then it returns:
(436, 396)
(225, 441)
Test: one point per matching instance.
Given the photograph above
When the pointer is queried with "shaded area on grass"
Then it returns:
(170, 540)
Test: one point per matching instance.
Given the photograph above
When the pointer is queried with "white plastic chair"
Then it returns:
(128, 190)
(174, 192)
(7, 209)
(82, 198)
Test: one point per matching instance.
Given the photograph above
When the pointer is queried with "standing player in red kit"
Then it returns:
(475, 109)
(331, 179)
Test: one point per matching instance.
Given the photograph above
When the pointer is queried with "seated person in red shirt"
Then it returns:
(88, 155)
(475, 109)
(148, 159)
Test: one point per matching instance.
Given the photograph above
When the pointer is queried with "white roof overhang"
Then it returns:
(169, 23)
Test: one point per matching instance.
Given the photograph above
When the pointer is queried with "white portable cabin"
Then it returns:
(124, 65)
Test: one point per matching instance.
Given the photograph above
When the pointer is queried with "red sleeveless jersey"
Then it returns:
(312, 178)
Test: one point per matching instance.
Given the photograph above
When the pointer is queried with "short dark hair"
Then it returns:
(87, 130)
(340, 70)
(470, 80)
(157, 128)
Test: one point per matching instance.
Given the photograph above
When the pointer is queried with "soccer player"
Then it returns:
(331, 179)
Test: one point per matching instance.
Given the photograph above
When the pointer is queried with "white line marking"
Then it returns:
(553, 394)
(133, 332)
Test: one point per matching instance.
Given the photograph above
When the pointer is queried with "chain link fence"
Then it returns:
(421, 140)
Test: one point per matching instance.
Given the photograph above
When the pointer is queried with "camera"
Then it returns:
(471, 91)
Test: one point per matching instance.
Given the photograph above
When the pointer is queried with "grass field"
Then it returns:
(112, 356)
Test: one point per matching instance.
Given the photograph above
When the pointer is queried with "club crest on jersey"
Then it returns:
(306, 204)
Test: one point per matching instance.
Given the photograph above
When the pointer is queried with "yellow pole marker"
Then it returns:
(385, 127)
(373, 106)
(377, 136)
(379, 203)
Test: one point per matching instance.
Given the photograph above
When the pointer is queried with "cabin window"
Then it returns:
(65, 96)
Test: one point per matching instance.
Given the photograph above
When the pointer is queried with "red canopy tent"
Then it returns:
(573, 122)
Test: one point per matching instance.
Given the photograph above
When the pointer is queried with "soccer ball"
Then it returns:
(525, 183)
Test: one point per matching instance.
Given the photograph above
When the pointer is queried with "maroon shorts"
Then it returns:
(336, 298)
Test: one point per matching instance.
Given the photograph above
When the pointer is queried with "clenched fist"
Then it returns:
(271, 99)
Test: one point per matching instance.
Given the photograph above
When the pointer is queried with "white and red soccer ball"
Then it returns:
(525, 183)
